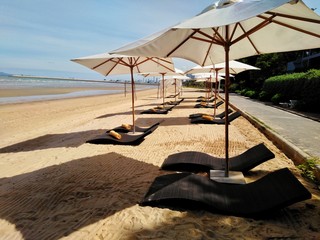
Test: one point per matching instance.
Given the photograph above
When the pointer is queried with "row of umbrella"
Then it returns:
(224, 31)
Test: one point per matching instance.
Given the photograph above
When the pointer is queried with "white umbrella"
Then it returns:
(207, 77)
(234, 29)
(176, 72)
(177, 78)
(235, 67)
(107, 64)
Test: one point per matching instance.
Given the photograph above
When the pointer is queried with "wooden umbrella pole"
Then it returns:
(132, 98)
(227, 48)
(163, 88)
(175, 89)
(215, 97)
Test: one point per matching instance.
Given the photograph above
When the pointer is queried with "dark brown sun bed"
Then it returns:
(220, 115)
(208, 105)
(122, 129)
(203, 120)
(173, 102)
(192, 161)
(126, 138)
(258, 199)
(205, 100)
(158, 111)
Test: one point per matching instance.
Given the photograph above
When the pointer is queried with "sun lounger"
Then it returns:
(192, 161)
(220, 115)
(122, 129)
(258, 199)
(208, 105)
(173, 102)
(205, 100)
(157, 110)
(172, 95)
(126, 138)
(202, 120)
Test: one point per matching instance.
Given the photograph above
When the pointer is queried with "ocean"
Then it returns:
(42, 88)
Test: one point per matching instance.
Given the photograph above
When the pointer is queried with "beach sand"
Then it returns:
(53, 185)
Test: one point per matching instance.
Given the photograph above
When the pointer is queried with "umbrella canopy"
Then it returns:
(235, 67)
(107, 64)
(234, 29)
(259, 26)
(177, 72)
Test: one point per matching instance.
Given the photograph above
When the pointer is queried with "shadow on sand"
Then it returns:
(55, 201)
(47, 141)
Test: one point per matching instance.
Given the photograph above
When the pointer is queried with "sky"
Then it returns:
(39, 37)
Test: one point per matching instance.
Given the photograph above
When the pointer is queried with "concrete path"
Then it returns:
(302, 132)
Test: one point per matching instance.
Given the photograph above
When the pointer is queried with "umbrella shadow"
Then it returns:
(47, 141)
(117, 113)
(172, 121)
(55, 201)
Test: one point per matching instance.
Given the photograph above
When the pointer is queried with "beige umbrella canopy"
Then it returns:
(163, 74)
(107, 64)
(234, 29)
(177, 82)
(235, 67)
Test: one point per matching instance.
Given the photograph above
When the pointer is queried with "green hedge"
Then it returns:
(304, 87)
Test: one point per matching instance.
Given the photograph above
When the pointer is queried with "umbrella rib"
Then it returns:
(104, 62)
(294, 28)
(211, 39)
(209, 48)
(249, 39)
(159, 60)
(253, 30)
(183, 42)
(293, 17)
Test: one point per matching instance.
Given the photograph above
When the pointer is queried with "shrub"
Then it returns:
(276, 98)
(304, 87)
(251, 94)
(264, 96)
(233, 87)
(308, 169)
(243, 91)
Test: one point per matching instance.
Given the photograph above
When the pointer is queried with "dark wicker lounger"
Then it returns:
(126, 138)
(158, 111)
(193, 161)
(205, 100)
(220, 115)
(258, 199)
(209, 105)
(173, 102)
(202, 120)
(121, 129)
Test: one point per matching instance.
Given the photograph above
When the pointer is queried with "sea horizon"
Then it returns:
(18, 89)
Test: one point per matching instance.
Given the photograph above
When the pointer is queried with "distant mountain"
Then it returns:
(4, 74)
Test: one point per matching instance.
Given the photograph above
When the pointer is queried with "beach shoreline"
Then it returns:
(54, 185)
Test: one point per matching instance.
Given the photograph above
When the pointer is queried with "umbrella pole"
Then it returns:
(215, 95)
(227, 48)
(162, 88)
(132, 98)
(175, 89)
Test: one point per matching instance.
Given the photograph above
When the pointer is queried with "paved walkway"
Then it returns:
(300, 131)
